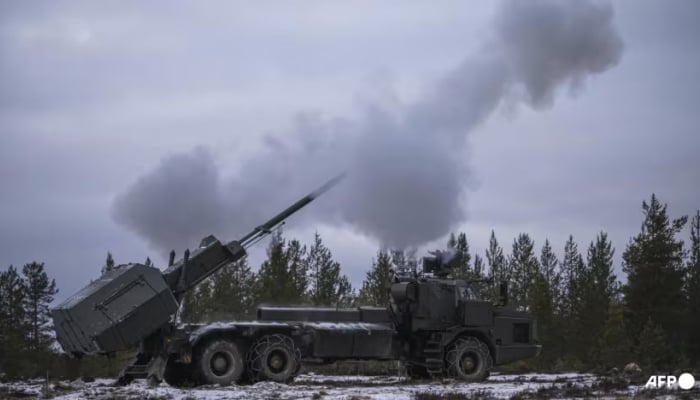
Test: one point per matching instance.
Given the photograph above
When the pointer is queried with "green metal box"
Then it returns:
(114, 312)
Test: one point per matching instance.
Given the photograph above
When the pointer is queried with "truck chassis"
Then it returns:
(274, 347)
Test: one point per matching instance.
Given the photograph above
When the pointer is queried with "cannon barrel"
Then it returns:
(212, 254)
(265, 228)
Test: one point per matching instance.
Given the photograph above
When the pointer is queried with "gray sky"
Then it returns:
(117, 119)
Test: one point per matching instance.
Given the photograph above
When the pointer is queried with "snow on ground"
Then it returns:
(329, 387)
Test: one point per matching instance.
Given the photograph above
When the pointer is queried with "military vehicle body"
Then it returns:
(436, 326)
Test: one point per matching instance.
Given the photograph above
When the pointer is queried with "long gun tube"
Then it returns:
(213, 255)
(266, 228)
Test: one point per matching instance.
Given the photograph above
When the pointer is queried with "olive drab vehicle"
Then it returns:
(446, 328)
(436, 326)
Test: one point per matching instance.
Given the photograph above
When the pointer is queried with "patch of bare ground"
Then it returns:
(478, 395)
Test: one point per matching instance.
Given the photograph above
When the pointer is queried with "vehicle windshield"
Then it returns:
(470, 292)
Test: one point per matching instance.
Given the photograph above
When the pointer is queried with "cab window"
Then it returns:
(468, 293)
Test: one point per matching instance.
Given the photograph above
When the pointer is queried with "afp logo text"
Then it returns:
(685, 381)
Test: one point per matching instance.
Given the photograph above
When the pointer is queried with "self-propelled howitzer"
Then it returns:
(132, 302)
(436, 325)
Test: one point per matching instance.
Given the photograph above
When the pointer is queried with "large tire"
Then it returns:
(274, 358)
(220, 362)
(469, 360)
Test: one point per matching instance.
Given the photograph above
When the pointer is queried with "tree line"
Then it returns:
(587, 319)
(26, 336)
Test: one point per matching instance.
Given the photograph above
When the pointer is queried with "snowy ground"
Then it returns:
(528, 386)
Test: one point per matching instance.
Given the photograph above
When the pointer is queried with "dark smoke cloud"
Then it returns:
(407, 164)
(548, 45)
(176, 204)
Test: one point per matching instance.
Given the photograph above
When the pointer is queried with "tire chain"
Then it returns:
(454, 349)
(257, 352)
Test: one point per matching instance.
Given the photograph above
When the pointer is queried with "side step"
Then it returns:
(144, 366)
(434, 355)
(136, 370)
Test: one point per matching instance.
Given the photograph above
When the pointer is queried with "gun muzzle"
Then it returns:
(279, 218)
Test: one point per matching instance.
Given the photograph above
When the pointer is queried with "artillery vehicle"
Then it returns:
(435, 325)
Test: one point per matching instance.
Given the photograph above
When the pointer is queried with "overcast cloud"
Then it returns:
(136, 128)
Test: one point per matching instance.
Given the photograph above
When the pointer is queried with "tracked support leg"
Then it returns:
(135, 370)
(149, 363)
(156, 370)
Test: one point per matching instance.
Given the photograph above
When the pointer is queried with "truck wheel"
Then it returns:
(469, 360)
(274, 358)
(220, 362)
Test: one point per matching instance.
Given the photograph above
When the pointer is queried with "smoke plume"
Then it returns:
(407, 167)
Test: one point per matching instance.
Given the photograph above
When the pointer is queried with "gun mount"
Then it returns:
(127, 304)
(441, 262)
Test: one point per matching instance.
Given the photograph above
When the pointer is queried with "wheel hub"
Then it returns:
(468, 364)
(276, 361)
(219, 364)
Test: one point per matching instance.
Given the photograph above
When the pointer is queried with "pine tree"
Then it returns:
(190, 308)
(4, 312)
(109, 263)
(541, 308)
(573, 276)
(463, 269)
(245, 286)
(653, 261)
(613, 347)
(452, 241)
(572, 307)
(478, 271)
(328, 287)
(545, 297)
(276, 284)
(525, 268)
(198, 304)
(204, 300)
(498, 267)
(652, 350)
(692, 291)
(13, 327)
(295, 256)
(549, 265)
(14, 294)
(223, 298)
(375, 288)
(600, 287)
(40, 292)
(233, 292)
(346, 294)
